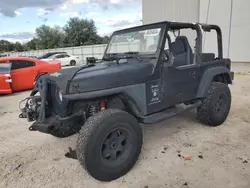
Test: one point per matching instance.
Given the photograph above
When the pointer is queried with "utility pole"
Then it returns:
(230, 29)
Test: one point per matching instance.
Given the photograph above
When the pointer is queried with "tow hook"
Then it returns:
(23, 114)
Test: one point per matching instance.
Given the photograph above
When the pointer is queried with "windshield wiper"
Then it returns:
(110, 57)
(133, 54)
(115, 57)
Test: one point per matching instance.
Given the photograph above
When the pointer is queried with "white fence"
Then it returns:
(90, 51)
(81, 51)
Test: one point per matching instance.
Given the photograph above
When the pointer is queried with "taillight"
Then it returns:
(8, 78)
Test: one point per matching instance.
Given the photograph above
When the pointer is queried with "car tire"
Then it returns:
(109, 144)
(72, 63)
(216, 106)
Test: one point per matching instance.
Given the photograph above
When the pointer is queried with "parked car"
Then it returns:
(66, 59)
(49, 54)
(3, 55)
(31, 56)
(19, 73)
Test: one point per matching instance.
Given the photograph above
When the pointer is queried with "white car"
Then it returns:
(66, 59)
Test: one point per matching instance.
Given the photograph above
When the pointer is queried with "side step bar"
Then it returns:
(167, 113)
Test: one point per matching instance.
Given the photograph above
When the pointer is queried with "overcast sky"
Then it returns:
(19, 18)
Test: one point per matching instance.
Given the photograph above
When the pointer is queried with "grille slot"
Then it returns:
(58, 107)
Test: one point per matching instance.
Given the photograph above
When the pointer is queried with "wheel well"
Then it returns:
(224, 78)
(123, 102)
(40, 74)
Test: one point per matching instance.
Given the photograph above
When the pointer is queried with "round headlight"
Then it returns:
(60, 94)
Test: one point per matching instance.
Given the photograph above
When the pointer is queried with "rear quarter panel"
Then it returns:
(47, 67)
(5, 86)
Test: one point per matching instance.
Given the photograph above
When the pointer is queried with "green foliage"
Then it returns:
(49, 37)
(76, 32)
(81, 32)
(6, 46)
(31, 45)
(105, 39)
(18, 47)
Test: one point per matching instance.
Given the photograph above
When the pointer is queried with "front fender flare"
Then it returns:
(134, 95)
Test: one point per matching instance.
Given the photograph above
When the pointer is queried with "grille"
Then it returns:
(55, 104)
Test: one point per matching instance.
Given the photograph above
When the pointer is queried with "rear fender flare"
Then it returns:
(208, 77)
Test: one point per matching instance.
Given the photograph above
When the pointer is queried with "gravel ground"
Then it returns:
(219, 156)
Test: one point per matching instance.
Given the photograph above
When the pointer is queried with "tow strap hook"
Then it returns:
(22, 116)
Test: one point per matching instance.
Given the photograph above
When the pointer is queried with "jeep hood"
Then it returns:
(110, 75)
(100, 76)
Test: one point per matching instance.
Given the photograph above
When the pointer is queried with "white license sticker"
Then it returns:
(152, 32)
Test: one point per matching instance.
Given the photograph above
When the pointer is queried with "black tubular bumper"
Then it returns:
(41, 127)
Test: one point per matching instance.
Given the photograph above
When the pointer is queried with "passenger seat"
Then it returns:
(182, 51)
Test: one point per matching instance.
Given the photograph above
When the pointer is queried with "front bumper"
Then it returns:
(31, 113)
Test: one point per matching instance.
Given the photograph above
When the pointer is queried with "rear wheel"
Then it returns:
(215, 108)
(72, 63)
(109, 144)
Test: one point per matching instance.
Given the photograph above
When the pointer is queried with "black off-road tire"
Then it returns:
(95, 138)
(215, 108)
(72, 63)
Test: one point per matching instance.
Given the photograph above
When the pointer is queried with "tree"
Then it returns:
(18, 47)
(76, 32)
(81, 32)
(6, 46)
(32, 45)
(49, 37)
(105, 39)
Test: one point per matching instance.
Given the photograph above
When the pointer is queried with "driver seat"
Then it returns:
(182, 51)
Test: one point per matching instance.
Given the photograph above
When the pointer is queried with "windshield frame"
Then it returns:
(161, 25)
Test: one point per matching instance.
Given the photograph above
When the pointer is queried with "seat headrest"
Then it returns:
(178, 47)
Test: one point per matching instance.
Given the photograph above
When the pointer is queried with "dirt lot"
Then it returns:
(219, 156)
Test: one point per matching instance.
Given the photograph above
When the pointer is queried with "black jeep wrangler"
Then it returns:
(148, 74)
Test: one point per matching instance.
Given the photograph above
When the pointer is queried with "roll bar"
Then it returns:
(208, 28)
(198, 44)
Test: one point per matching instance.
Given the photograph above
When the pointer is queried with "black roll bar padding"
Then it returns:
(208, 28)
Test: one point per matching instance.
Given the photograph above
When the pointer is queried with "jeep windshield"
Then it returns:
(142, 41)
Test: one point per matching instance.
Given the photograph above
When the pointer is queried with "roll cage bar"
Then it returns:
(183, 25)
(199, 27)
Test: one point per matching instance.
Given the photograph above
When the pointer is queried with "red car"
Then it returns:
(19, 73)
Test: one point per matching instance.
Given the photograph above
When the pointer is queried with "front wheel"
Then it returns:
(109, 144)
(215, 108)
(72, 63)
